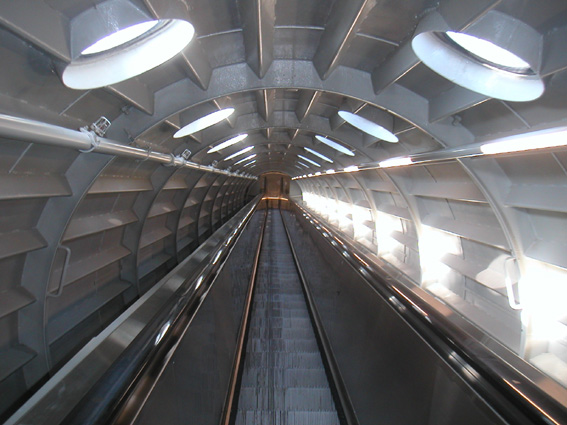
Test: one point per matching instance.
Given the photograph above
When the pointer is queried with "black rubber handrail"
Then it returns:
(514, 396)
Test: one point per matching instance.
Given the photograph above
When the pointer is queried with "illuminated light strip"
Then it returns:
(228, 143)
(308, 160)
(323, 157)
(240, 152)
(529, 141)
(395, 162)
(336, 146)
(351, 169)
(245, 159)
(305, 165)
(330, 171)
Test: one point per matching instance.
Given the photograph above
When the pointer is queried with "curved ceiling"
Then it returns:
(288, 68)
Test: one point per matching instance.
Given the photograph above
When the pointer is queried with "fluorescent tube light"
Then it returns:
(528, 141)
(395, 162)
(351, 169)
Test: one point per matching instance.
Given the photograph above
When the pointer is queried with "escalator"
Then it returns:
(283, 379)
(277, 320)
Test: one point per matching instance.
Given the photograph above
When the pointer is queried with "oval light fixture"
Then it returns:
(127, 53)
(488, 51)
(336, 146)
(228, 143)
(240, 152)
(368, 127)
(203, 122)
(478, 65)
(320, 155)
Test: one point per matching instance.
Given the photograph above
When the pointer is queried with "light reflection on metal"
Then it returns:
(529, 400)
(162, 333)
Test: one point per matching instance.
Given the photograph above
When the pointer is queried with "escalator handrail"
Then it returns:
(487, 372)
(103, 398)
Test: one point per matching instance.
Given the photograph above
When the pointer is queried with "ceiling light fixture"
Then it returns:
(395, 162)
(308, 160)
(351, 169)
(119, 37)
(368, 127)
(478, 65)
(334, 145)
(127, 53)
(203, 122)
(330, 171)
(240, 152)
(523, 142)
(228, 143)
(302, 164)
(323, 157)
(245, 159)
(488, 52)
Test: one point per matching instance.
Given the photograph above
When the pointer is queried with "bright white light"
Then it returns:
(240, 152)
(368, 127)
(330, 171)
(351, 169)
(318, 173)
(164, 41)
(524, 142)
(434, 244)
(395, 162)
(334, 145)
(302, 164)
(228, 143)
(323, 157)
(309, 175)
(308, 160)
(458, 67)
(119, 37)
(203, 122)
(162, 333)
(245, 159)
(249, 163)
(386, 226)
(488, 51)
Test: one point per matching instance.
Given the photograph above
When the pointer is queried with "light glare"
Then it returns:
(240, 152)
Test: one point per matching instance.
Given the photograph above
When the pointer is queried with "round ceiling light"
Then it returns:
(203, 122)
(489, 52)
(368, 127)
(478, 65)
(127, 53)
